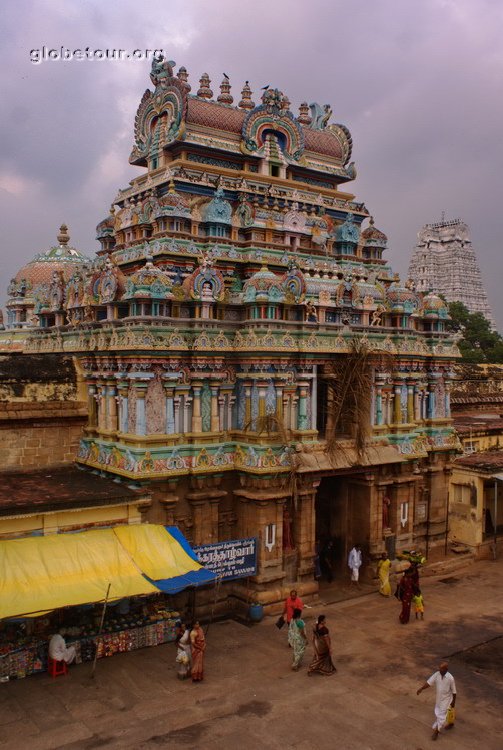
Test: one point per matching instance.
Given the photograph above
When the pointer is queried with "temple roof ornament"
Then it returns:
(263, 285)
(402, 299)
(148, 282)
(183, 76)
(161, 69)
(160, 117)
(218, 210)
(60, 257)
(107, 284)
(225, 96)
(246, 97)
(373, 236)
(204, 91)
(348, 231)
(304, 116)
(273, 115)
(320, 115)
(434, 306)
(205, 280)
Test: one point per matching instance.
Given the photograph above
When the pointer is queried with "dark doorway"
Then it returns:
(331, 527)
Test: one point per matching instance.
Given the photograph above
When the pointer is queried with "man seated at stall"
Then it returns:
(59, 651)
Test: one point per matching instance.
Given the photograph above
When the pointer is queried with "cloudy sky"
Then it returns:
(418, 83)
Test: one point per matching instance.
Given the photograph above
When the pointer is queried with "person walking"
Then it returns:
(322, 659)
(198, 647)
(418, 604)
(292, 602)
(383, 569)
(354, 564)
(406, 592)
(297, 638)
(445, 696)
(183, 653)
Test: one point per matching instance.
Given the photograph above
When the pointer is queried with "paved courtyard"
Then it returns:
(250, 697)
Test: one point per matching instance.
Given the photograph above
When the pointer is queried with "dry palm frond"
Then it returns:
(349, 398)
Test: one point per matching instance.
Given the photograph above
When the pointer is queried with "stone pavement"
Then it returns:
(251, 698)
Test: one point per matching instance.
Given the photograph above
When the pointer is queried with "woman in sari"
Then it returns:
(383, 567)
(183, 654)
(297, 638)
(322, 659)
(406, 590)
(198, 645)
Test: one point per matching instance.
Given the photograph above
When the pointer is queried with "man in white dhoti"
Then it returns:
(354, 564)
(59, 651)
(446, 695)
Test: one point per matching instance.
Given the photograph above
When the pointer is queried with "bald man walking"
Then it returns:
(445, 698)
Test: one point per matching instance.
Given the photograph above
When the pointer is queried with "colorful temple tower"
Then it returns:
(249, 355)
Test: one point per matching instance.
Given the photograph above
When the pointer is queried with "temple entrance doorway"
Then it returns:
(342, 519)
(331, 527)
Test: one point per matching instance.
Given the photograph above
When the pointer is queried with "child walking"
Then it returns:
(418, 604)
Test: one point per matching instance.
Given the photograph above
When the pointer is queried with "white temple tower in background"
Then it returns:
(444, 262)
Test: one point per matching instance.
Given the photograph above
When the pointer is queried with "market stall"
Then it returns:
(59, 583)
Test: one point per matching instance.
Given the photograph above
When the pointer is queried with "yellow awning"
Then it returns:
(155, 551)
(38, 574)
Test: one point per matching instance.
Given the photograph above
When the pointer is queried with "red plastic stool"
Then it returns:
(56, 668)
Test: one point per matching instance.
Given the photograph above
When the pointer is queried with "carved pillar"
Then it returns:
(169, 392)
(417, 403)
(112, 408)
(122, 389)
(102, 406)
(379, 414)
(141, 415)
(205, 506)
(431, 400)
(279, 403)
(226, 401)
(169, 502)
(187, 401)
(397, 403)
(262, 391)
(178, 405)
(92, 406)
(447, 398)
(305, 529)
(302, 419)
(215, 417)
(286, 409)
(248, 410)
(197, 422)
(410, 402)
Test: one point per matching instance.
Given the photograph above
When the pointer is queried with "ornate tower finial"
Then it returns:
(183, 76)
(171, 185)
(63, 236)
(304, 116)
(205, 91)
(225, 95)
(246, 97)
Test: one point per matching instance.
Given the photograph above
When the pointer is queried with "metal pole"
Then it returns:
(100, 629)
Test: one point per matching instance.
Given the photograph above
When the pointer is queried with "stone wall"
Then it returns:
(477, 388)
(34, 435)
(36, 377)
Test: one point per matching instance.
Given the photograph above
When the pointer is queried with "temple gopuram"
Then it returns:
(248, 354)
(445, 262)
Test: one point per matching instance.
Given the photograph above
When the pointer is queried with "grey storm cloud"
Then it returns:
(417, 83)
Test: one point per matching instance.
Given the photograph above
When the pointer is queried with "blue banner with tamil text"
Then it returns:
(234, 559)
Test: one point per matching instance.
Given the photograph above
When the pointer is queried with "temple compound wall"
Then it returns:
(247, 352)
